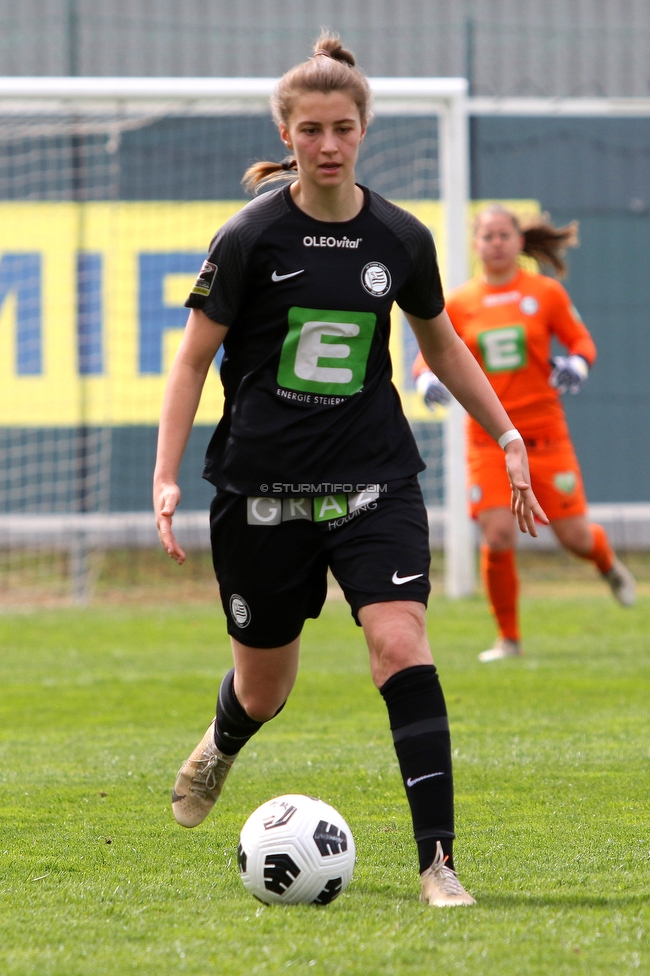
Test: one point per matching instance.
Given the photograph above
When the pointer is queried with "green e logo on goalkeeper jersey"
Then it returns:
(503, 349)
(326, 351)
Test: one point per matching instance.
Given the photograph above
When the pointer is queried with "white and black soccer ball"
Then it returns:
(295, 849)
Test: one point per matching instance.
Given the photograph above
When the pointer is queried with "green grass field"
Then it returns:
(100, 706)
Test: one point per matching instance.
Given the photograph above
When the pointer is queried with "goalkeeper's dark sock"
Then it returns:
(233, 727)
(418, 721)
(499, 571)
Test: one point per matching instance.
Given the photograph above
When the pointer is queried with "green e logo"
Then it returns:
(503, 349)
(326, 351)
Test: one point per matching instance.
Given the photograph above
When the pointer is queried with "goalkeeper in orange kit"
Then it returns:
(508, 316)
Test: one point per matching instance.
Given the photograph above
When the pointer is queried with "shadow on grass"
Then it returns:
(559, 900)
(514, 900)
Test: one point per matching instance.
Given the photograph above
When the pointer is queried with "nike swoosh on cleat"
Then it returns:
(418, 779)
(177, 796)
(398, 580)
(276, 277)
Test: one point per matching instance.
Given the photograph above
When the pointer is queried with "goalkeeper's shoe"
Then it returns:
(503, 647)
(200, 781)
(622, 583)
(440, 885)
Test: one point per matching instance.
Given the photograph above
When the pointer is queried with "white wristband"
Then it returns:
(510, 435)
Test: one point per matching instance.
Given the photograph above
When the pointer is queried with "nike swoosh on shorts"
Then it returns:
(398, 580)
(276, 277)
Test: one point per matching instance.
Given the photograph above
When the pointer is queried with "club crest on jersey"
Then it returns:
(529, 305)
(240, 611)
(376, 279)
(205, 280)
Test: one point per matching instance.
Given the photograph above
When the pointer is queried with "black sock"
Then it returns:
(233, 727)
(418, 721)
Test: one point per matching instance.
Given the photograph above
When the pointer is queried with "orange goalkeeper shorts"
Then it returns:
(554, 473)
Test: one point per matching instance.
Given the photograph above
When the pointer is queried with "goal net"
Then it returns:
(110, 191)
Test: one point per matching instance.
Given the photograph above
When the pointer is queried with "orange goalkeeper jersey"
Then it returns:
(509, 329)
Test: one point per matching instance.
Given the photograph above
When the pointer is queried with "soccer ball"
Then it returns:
(295, 849)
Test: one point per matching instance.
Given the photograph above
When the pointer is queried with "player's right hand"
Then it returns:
(524, 504)
(165, 502)
(432, 390)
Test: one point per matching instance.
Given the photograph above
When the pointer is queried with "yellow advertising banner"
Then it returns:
(91, 308)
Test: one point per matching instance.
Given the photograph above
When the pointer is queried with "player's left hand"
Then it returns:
(569, 374)
(524, 505)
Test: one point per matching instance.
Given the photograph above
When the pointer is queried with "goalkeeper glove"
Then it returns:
(432, 390)
(569, 373)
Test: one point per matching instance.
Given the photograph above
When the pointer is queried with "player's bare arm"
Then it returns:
(201, 342)
(449, 358)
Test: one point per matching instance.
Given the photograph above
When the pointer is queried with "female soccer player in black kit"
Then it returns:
(314, 463)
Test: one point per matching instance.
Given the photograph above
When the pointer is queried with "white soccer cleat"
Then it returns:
(200, 781)
(440, 885)
(503, 647)
(621, 583)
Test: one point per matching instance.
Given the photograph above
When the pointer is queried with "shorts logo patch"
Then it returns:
(529, 305)
(376, 279)
(565, 481)
(475, 493)
(296, 508)
(330, 507)
(240, 611)
(503, 349)
(326, 351)
(361, 498)
(263, 511)
(205, 280)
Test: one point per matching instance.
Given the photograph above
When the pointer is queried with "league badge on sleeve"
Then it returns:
(205, 280)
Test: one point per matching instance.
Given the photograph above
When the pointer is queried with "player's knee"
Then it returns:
(497, 529)
(398, 641)
(260, 705)
(498, 539)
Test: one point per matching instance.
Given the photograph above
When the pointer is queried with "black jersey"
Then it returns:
(309, 401)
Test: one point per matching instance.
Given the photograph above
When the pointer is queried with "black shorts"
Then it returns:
(271, 556)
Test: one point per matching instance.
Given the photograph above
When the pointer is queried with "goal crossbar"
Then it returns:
(201, 95)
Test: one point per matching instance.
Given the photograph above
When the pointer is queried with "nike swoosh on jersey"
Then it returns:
(292, 274)
(418, 779)
(398, 580)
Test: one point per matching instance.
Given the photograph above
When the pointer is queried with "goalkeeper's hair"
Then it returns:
(543, 241)
(331, 68)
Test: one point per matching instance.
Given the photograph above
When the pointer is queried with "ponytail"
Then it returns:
(331, 68)
(543, 242)
(261, 174)
(548, 244)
